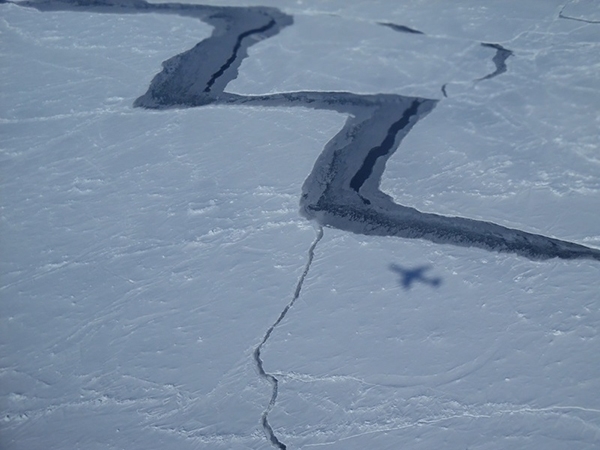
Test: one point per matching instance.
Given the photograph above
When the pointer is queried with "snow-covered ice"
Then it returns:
(146, 253)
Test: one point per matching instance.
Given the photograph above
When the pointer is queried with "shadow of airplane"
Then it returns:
(409, 276)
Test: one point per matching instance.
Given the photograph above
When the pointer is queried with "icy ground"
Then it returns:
(146, 253)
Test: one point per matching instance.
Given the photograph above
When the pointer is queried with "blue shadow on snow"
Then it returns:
(410, 275)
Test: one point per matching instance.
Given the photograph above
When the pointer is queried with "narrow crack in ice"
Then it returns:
(400, 28)
(269, 433)
(561, 15)
(444, 90)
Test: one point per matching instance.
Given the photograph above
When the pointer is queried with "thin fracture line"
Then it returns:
(578, 19)
(259, 363)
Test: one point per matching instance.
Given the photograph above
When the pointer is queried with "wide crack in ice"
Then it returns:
(499, 59)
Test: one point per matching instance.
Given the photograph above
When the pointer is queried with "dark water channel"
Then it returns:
(366, 169)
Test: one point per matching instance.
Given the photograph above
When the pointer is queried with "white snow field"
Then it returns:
(145, 254)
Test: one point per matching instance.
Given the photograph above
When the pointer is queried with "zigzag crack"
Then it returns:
(269, 433)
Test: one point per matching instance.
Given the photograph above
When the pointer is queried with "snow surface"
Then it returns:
(145, 253)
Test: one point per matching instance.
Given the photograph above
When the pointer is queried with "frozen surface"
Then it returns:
(146, 253)
(586, 11)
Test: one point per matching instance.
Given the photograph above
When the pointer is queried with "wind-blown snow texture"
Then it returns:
(342, 191)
